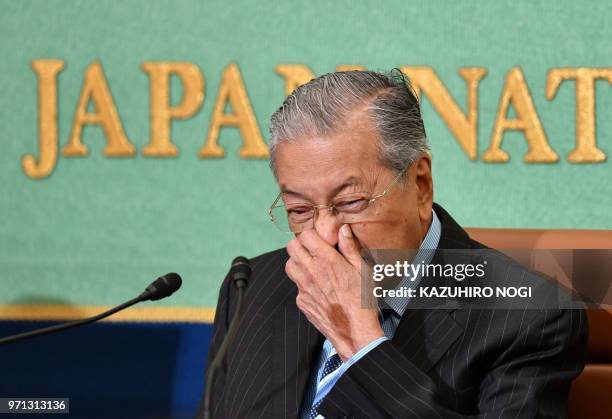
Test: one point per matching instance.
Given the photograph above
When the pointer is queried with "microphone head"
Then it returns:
(164, 286)
(240, 271)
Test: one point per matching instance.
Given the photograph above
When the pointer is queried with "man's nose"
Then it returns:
(327, 226)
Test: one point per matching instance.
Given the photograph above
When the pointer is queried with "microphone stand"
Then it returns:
(240, 284)
(162, 287)
(70, 325)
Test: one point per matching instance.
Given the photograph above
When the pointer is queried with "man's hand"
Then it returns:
(329, 290)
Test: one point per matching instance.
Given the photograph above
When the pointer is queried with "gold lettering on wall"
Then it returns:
(586, 150)
(348, 67)
(46, 72)
(162, 113)
(295, 75)
(233, 92)
(95, 88)
(463, 126)
(232, 108)
(516, 93)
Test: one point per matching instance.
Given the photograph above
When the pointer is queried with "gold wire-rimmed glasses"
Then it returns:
(296, 217)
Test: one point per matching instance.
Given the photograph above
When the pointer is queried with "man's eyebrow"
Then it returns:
(287, 191)
(350, 181)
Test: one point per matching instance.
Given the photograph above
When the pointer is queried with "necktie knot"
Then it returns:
(332, 363)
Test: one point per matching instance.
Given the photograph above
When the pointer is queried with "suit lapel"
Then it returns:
(425, 334)
(297, 345)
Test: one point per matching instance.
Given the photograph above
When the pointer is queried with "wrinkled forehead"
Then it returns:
(320, 167)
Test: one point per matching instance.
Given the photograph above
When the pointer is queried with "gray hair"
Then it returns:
(319, 107)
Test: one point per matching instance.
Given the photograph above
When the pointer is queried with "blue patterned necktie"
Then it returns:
(386, 322)
(332, 363)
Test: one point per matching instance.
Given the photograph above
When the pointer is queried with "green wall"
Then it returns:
(99, 229)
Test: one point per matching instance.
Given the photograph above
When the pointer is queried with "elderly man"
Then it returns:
(352, 162)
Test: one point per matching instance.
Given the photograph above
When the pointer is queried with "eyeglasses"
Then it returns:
(349, 208)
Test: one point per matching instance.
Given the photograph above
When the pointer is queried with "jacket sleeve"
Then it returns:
(531, 378)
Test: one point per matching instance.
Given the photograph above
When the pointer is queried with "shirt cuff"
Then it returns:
(362, 352)
(335, 376)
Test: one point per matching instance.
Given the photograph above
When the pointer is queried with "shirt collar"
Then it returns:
(424, 255)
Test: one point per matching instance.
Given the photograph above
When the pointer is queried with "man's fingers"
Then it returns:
(348, 246)
(308, 288)
(315, 245)
(295, 273)
(299, 252)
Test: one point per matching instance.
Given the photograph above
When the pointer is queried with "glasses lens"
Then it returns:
(294, 219)
(353, 207)
(278, 215)
(351, 203)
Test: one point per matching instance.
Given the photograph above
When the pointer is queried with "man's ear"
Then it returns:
(424, 186)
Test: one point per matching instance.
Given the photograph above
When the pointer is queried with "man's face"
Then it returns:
(316, 170)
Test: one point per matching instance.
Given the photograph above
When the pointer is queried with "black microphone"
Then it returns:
(162, 287)
(239, 275)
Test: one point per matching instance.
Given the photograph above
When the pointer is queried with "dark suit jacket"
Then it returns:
(441, 363)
